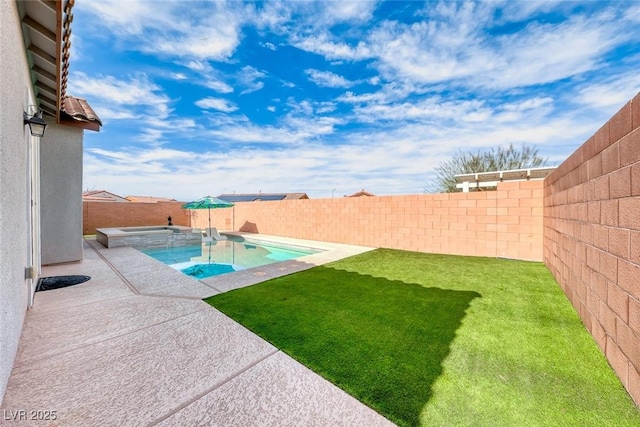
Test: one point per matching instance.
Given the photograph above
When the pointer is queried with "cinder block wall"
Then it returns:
(592, 238)
(504, 223)
(131, 214)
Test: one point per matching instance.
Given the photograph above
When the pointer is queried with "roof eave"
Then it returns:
(81, 124)
(46, 28)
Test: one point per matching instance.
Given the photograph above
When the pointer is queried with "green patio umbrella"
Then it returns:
(207, 202)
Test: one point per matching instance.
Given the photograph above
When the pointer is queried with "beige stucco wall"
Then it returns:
(61, 194)
(15, 95)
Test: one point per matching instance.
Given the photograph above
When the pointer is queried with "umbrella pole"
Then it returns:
(209, 218)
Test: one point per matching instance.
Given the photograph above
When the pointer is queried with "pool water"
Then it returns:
(224, 256)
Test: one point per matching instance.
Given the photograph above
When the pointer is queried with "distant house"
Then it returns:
(361, 193)
(149, 199)
(254, 197)
(107, 196)
(102, 196)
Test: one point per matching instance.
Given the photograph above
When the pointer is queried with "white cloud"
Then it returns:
(179, 76)
(345, 11)
(136, 91)
(425, 111)
(422, 52)
(209, 41)
(175, 124)
(217, 85)
(293, 130)
(452, 45)
(521, 11)
(388, 93)
(202, 66)
(326, 107)
(273, 15)
(207, 76)
(173, 29)
(217, 104)
(122, 98)
(139, 14)
(327, 79)
(249, 77)
(322, 45)
(609, 94)
(528, 104)
(548, 53)
(108, 113)
(633, 13)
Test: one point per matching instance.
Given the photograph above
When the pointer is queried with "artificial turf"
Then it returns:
(445, 340)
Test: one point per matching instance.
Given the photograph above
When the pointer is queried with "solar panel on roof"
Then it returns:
(271, 197)
(251, 197)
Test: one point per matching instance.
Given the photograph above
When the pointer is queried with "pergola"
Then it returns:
(477, 181)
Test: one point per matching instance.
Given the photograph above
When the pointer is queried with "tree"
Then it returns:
(495, 159)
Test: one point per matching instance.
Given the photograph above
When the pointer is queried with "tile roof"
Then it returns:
(296, 196)
(102, 196)
(361, 193)
(78, 109)
(46, 32)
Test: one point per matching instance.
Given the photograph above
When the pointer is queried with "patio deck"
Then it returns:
(135, 345)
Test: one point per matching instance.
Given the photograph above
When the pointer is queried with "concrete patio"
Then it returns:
(135, 345)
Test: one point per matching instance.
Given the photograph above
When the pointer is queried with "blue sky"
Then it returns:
(332, 97)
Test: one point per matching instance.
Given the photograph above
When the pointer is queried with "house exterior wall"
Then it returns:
(131, 214)
(15, 196)
(61, 194)
(504, 223)
(592, 238)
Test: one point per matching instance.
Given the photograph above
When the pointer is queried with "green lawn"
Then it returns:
(440, 340)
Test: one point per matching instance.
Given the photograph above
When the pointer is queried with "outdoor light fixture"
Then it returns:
(36, 123)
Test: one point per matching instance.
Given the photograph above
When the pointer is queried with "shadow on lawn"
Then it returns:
(380, 340)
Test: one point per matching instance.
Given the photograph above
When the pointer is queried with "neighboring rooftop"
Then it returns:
(149, 199)
(102, 196)
(254, 197)
(361, 193)
(106, 196)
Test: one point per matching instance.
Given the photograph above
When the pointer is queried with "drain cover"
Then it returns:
(57, 282)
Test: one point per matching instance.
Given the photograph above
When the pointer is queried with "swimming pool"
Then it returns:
(225, 256)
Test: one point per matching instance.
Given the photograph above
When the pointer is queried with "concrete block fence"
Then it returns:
(131, 214)
(503, 223)
(592, 238)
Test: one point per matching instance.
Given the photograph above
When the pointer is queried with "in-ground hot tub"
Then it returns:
(161, 236)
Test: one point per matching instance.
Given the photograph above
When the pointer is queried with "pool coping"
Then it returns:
(108, 352)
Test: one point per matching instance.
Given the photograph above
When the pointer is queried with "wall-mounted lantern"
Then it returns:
(36, 123)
